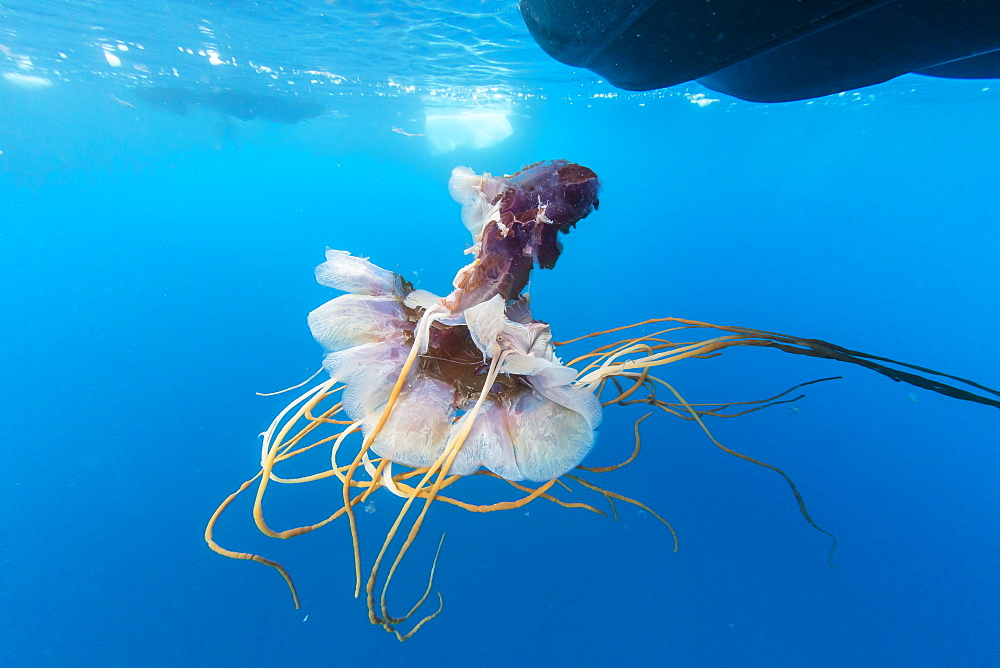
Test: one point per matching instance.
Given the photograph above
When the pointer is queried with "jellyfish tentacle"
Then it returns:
(614, 495)
(535, 421)
(287, 452)
(826, 350)
(611, 496)
(822, 349)
(304, 479)
(394, 621)
(336, 446)
(795, 491)
(564, 485)
(277, 449)
(268, 435)
(293, 387)
(421, 334)
(327, 416)
(416, 627)
(715, 409)
(761, 403)
(395, 485)
(273, 444)
(390, 482)
(376, 478)
(366, 461)
(603, 332)
(608, 368)
(623, 395)
(298, 531)
(276, 444)
(614, 508)
(766, 400)
(430, 583)
(246, 556)
(533, 494)
(607, 354)
(441, 467)
(602, 352)
(631, 458)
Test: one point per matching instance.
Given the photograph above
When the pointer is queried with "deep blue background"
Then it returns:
(158, 270)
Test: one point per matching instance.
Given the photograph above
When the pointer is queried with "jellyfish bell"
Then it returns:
(533, 423)
(469, 383)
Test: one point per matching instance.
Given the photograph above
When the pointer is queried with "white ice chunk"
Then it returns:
(472, 129)
(26, 81)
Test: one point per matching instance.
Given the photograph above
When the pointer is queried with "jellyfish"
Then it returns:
(424, 390)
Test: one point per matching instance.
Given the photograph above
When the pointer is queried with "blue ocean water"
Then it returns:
(158, 271)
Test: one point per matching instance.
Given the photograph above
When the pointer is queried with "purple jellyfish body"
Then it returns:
(484, 375)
